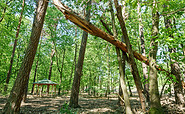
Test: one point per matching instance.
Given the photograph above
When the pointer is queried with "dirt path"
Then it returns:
(52, 105)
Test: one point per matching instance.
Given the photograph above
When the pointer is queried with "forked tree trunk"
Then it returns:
(14, 47)
(13, 103)
(134, 69)
(155, 106)
(78, 71)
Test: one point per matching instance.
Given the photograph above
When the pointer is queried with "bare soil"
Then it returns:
(89, 105)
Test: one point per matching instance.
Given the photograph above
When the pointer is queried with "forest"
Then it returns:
(92, 56)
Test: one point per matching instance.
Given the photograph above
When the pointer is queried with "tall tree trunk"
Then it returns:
(51, 64)
(61, 71)
(108, 73)
(155, 106)
(74, 64)
(175, 68)
(36, 66)
(14, 101)
(121, 68)
(143, 52)
(78, 70)
(134, 69)
(74, 61)
(14, 47)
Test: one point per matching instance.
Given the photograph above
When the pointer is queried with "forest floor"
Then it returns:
(89, 105)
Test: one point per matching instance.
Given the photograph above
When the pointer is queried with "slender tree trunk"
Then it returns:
(78, 70)
(14, 101)
(134, 69)
(61, 71)
(51, 64)
(121, 68)
(36, 66)
(175, 68)
(14, 47)
(155, 106)
(74, 61)
(143, 52)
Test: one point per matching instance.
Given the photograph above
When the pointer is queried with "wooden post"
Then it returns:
(48, 90)
(33, 89)
(55, 89)
(41, 91)
(52, 91)
(37, 90)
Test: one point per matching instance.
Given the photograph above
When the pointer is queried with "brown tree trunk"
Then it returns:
(155, 106)
(74, 64)
(61, 71)
(90, 28)
(134, 69)
(51, 64)
(74, 61)
(14, 47)
(36, 66)
(121, 67)
(143, 52)
(14, 101)
(175, 68)
(78, 70)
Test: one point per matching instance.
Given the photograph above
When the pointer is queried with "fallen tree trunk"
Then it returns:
(93, 30)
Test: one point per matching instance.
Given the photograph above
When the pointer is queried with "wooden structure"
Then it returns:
(40, 85)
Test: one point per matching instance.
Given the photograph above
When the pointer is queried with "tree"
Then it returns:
(14, 101)
(134, 69)
(155, 106)
(14, 46)
(78, 71)
(175, 68)
(143, 51)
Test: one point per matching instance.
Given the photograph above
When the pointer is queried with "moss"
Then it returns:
(156, 111)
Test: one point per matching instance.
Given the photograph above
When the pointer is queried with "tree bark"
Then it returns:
(14, 47)
(14, 101)
(134, 69)
(78, 71)
(155, 106)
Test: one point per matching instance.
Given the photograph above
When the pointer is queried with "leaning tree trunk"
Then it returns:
(155, 106)
(121, 70)
(92, 29)
(175, 68)
(14, 47)
(13, 103)
(134, 69)
(78, 70)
